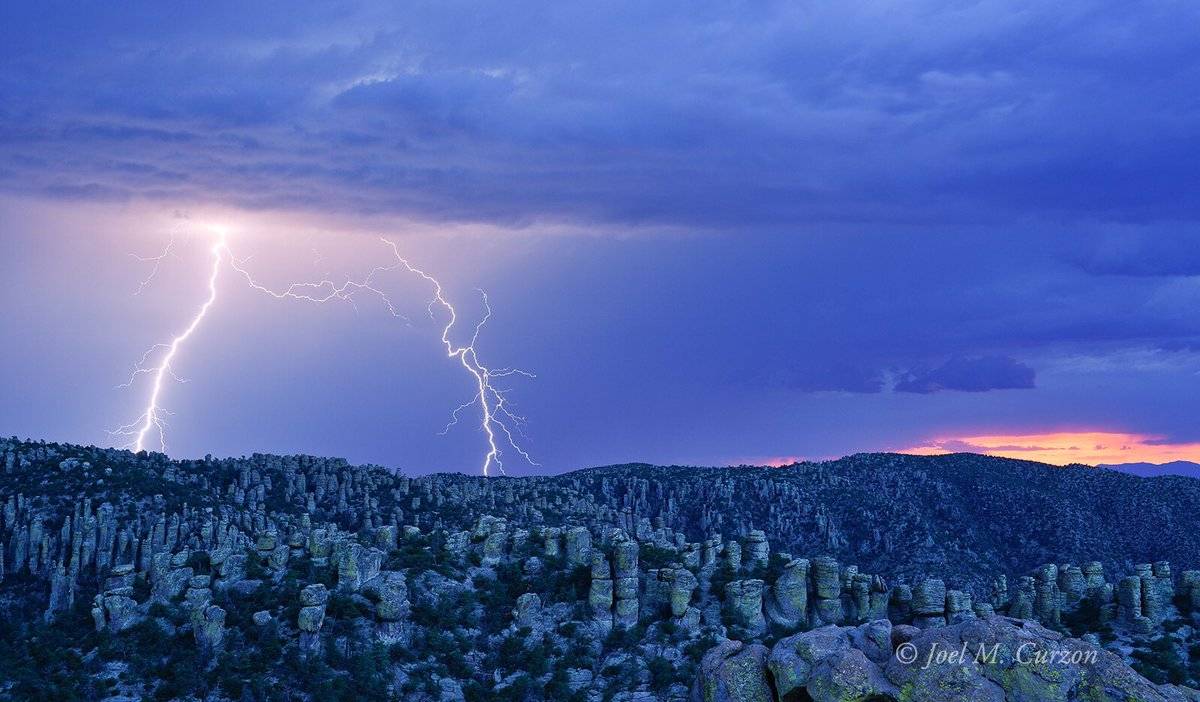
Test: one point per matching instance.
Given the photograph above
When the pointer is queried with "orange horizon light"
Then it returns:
(1062, 448)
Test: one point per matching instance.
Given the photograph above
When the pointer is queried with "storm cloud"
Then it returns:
(714, 230)
(673, 114)
(970, 375)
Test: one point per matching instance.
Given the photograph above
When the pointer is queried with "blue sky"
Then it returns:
(717, 232)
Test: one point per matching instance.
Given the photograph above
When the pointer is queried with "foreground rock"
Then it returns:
(993, 659)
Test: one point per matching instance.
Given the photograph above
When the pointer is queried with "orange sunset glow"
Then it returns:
(1061, 448)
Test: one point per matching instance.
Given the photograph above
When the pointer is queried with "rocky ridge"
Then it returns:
(304, 578)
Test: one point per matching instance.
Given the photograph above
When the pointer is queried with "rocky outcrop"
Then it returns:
(442, 580)
(115, 611)
(209, 628)
(929, 603)
(733, 672)
(600, 596)
(579, 547)
(743, 598)
(997, 659)
(313, 600)
(356, 564)
(757, 549)
(625, 581)
(787, 604)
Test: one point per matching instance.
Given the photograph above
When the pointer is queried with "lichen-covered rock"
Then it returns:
(1009, 659)
(232, 569)
(62, 593)
(311, 618)
(827, 611)
(579, 547)
(266, 541)
(319, 545)
(757, 549)
(787, 604)
(958, 606)
(315, 594)
(494, 547)
(1189, 584)
(744, 600)
(683, 584)
(1129, 599)
(115, 612)
(625, 613)
(600, 594)
(552, 542)
(874, 639)
(849, 676)
(733, 672)
(278, 558)
(392, 593)
(793, 659)
(1022, 603)
(528, 611)
(997, 659)
(929, 602)
(900, 604)
(625, 559)
(827, 582)
(356, 565)
(733, 555)
(1157, 591)
(386, 537)
(209, 628)
(1072, 583)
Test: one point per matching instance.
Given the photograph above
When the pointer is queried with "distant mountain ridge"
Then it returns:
(1152, 470)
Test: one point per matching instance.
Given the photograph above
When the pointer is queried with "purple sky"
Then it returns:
(717, 233)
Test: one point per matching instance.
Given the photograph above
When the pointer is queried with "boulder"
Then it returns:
(312, 595)
(733, 672)
(393, 604)
(528, 612)
(996, 659)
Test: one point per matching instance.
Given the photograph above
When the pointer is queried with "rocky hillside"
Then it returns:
(964, 516)
(129, 577)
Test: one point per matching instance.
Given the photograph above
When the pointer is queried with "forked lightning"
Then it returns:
(498, 422)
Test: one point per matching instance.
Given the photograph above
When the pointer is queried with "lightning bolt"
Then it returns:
(157, 260)
(152, 418)
(492, 400)
(498, 421)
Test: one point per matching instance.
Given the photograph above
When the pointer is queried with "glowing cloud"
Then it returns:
(1062, 448)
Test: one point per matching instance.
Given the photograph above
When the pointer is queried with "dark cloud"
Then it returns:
(893, 185)
(979, 374)
(682, 114)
